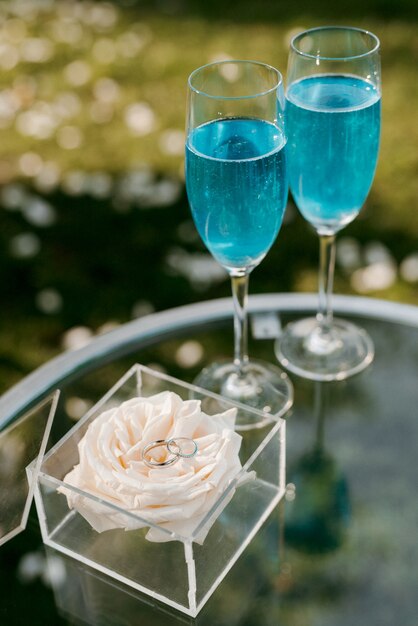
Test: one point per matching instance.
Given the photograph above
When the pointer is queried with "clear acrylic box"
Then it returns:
(180, 571)
(22, 445)
(85, 596)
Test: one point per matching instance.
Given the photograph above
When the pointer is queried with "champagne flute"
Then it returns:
(333, 126)
(236, 180)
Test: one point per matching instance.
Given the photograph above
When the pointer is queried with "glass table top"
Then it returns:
(341, 548)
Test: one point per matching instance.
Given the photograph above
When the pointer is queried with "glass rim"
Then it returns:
(200, 92)
(350, 57)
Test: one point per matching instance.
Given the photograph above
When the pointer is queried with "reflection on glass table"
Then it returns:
(348, 530)
(317, 520)
(84, 596)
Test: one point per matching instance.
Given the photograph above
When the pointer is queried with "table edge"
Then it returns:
(152, 328)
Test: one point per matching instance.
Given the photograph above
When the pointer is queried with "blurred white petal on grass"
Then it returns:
(9, 56)
(134, 184)
(409, 268)
(153, 382)
(9, 105)
(348, 253)
(130, 43)
(130, 189)
(27, 9)
(103, 16)
(75, 10)
(104, 50)
(189, 354)
(166, 191)
(140, 118)
(36, 50)
(76, 337)
(374, 277)
(171, 142)
(38, 212)
(99, 185)
(141, 188)
(30, 164)
(142, 308)
(25, 245)
(66, 30)
(54, 573)
(77, 73)
(13, 196)
(49, 301)
(107, 327)
(39, 122)
(101, 112)
(48, 178)
(200, 269)
(220, 56)
(106, 90)
(14, 30)
(24, 89)
(289, 34)
(30, 567)
(160, 194)
(77, 407)
(7, 172)
(69, 137)
(75, 183)
(187, 232)
(376, 252)
(231, 72)
(67, 104)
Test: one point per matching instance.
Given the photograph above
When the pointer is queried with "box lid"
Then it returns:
(22, 443)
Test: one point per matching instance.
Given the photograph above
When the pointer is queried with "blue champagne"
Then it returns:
(236, 180)
(333, 128)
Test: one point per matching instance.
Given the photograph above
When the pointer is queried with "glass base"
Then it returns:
(263, 386)
(309, 353)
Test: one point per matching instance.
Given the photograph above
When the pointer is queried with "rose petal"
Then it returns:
(176, 497)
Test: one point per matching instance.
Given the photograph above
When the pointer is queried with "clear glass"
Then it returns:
(236, 179)
(181, 570)
(84, 596)
(333, 100)
(22, 444)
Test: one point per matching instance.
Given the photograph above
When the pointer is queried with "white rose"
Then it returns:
(175, 497)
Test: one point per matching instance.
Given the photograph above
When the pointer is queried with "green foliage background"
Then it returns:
(104, 253)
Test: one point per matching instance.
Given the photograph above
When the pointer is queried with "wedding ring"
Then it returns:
(175, 442)
(173, 447)
(158, 443)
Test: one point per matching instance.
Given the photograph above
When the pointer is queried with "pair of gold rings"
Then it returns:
(177, 447)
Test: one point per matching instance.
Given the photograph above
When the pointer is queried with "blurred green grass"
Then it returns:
(98, 251)
(93, 92)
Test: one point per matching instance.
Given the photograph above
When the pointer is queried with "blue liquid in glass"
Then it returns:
(236, 180)
(333, 128)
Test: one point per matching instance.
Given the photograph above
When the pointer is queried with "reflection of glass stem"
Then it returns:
(239, 284)
(320, 406)
(317, 518)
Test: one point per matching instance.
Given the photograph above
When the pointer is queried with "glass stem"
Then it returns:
(239, 283)
(326, 281)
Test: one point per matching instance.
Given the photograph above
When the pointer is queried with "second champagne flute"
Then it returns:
(333, 125)
(236, 178)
